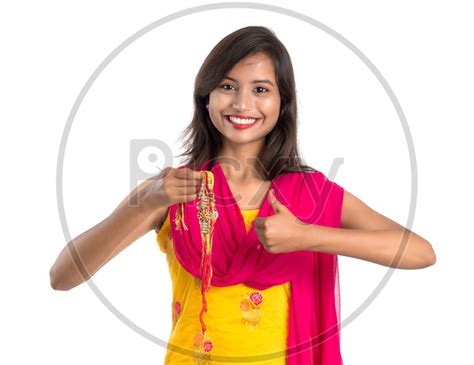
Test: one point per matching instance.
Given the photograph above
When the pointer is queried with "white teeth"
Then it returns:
(241, 121)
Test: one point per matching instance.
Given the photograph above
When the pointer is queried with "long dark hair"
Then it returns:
(280, 153)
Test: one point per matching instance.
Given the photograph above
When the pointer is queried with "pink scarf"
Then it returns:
(239, 257)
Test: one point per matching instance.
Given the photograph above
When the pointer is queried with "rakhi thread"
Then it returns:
(207, 215)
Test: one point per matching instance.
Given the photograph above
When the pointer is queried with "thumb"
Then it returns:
(275, 203)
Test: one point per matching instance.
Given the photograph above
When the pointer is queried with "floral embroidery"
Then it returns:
(202, 348)
(250, 309)
(176, 311)
(256, 298)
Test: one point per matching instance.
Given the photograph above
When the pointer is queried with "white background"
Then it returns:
(50, 49)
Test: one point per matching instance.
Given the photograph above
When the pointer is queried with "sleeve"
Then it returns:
(162, 236)
(332, 199)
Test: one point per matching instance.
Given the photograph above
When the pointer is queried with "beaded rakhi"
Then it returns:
(207, 215)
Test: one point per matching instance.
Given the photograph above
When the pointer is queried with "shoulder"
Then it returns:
(314, 181)
(317, 179)
(317, 198)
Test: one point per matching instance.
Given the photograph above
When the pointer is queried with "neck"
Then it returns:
(240, 166)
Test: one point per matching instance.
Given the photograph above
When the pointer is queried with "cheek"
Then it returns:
(218, 99)
(271, 106)
(215, 118)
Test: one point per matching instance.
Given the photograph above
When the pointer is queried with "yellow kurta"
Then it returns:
(240, 320)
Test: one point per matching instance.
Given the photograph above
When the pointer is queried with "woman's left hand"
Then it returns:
(279, 232)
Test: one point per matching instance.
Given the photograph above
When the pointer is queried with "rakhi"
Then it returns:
(207, 215)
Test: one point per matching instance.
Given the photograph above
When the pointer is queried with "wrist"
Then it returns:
(309, 236)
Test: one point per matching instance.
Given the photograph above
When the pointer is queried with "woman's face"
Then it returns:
(248, 94)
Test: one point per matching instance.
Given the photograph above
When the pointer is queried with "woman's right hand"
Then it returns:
(172, 186)
(140, 212)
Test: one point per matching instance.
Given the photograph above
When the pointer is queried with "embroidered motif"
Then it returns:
(250, 309)
(176, 311)
(202, 346)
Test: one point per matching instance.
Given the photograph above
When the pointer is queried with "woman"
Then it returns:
(272, 291)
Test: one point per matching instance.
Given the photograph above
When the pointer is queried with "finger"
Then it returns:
(187, 173)
(259, 222)
(277, 206)
(273, 201)
(188, 189)
(258, 232)
(180, 183)
(188, 193)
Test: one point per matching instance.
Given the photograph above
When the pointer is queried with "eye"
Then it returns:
(229, 87)
(261, 87)
(223, 86)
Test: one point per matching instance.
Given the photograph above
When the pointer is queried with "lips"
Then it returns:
(240, 126)
(241, 116)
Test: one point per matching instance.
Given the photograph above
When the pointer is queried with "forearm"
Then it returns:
(85, 254)
(394, 248)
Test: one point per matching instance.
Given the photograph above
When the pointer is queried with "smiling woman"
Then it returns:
(252, 236)
(244, 132)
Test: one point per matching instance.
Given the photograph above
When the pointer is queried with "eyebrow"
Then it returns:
(266, 81)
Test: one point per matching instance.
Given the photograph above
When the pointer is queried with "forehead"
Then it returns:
(258, 63)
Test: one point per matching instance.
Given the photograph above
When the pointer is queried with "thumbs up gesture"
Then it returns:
(279, 232)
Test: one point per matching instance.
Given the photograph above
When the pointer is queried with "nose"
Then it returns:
(242, 99)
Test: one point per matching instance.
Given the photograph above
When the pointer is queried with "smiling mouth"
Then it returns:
(241, 121)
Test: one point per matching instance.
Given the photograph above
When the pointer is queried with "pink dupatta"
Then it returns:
(238, 257)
